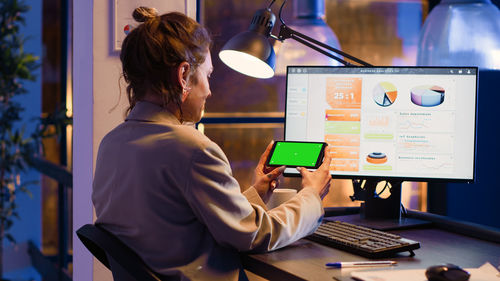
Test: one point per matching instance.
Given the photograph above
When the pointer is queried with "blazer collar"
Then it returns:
(150, 112)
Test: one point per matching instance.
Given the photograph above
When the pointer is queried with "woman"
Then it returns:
(164, 188)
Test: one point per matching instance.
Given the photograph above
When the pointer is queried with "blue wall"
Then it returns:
(29, 226)
(480, 202)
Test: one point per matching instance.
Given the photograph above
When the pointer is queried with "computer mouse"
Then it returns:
(446, 272)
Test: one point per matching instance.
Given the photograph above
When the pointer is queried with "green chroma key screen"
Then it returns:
(300, 154)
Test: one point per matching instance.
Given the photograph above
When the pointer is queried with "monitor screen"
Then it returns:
(410, 123)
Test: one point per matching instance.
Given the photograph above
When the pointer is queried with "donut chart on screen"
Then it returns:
(385, 93)
(376, 158)
(427, 95)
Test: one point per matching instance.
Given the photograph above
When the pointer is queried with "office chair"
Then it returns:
(123, 262)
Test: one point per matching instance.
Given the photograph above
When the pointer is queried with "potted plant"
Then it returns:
(16, 150)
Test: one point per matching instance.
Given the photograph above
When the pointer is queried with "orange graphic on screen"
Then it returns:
(343, 92)
(347, 152)
(342, 115)
(342, 140)
(344, 165)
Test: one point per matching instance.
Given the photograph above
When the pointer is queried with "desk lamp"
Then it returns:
(251, 53)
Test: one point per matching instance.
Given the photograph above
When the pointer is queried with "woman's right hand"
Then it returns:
(320, 179)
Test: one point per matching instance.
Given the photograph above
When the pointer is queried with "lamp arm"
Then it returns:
(286, 33)
(314, 47)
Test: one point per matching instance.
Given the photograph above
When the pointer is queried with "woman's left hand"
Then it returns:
(266, 178)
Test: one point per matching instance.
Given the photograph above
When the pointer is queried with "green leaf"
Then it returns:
(10, 238)
(27, 192)
(8, 224)
(16, 68)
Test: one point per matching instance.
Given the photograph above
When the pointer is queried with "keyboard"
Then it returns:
(361, 240)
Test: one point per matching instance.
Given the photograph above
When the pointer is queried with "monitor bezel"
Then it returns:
(396, 178)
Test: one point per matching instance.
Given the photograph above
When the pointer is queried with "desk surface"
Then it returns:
(305, 260)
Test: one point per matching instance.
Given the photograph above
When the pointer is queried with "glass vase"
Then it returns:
(461, 33)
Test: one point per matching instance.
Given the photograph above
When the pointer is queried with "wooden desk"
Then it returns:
(305, 260)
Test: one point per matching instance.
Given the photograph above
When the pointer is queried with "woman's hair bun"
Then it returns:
(143, 14)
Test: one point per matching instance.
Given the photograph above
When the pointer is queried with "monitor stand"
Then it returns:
(376, 212)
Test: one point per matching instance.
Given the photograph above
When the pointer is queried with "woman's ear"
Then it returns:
(183, 78)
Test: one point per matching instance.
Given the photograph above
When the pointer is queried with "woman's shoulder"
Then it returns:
(161, 137)
(191, 136)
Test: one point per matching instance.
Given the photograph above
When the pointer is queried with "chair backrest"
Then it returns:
(123, 262)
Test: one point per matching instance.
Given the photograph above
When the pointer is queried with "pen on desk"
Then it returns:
(360, 264)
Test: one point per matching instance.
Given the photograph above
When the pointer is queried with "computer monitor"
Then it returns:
(387, 123)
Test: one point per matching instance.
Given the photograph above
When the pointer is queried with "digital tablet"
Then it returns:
(296, 154)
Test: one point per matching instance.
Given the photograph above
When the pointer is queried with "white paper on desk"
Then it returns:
(486, 272)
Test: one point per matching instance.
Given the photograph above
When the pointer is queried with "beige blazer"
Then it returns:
(167, 191)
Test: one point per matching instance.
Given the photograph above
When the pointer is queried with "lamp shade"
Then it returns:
(250, 52)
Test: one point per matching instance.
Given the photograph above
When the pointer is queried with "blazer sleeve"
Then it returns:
(253, 197)
(215, 197)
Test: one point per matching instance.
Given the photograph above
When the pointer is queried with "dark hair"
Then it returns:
(152, 52)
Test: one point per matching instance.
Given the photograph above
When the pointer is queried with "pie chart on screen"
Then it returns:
(127, 29)
(427, 95)
(385, 93)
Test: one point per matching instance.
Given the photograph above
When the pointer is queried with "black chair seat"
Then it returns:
(123, 262)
